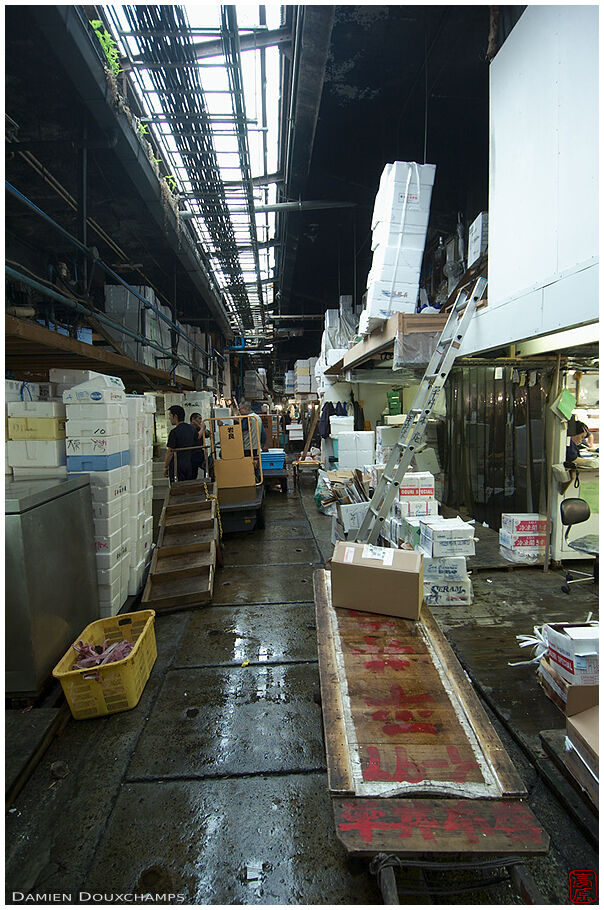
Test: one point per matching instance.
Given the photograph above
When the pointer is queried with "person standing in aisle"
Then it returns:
(182, 436)
(250, 433)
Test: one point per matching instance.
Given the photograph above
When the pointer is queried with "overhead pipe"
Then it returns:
(299, 206)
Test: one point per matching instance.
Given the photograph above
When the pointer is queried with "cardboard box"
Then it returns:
(527, 522)
(437, 593)
(445, 568)
(446, 537)
(419, 485)
(377, 580)
(574, 651)
(36, 427)
(414, 508)
(570, 699)
(582, 730)
(478, 237)
(521, 541)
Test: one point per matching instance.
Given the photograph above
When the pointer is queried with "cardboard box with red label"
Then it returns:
(573, 651)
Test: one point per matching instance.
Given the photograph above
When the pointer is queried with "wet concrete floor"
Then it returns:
(215, 787)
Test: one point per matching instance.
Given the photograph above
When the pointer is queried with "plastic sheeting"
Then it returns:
(415, 348)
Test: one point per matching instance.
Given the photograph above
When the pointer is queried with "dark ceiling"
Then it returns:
(383, 64)
(373, 110)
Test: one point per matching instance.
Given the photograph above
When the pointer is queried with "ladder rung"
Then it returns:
(389, 479)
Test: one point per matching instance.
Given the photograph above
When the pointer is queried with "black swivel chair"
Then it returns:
(572, 512)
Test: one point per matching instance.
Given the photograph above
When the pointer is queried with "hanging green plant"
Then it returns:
(171, 181)
(143, 129)
(109, 46)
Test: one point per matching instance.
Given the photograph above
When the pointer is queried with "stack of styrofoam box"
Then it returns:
(312, 363)
(385, 439)
(198, 402)
(339, 425)
(295, 432)
(252, 385)
(98, 445)
(36, 439)
(445, 543)
(289, 382)
(355, 450)
(302, 377)
(522, 537)
(126, 308)
(140, 430)
(162, 423)
(399, 225)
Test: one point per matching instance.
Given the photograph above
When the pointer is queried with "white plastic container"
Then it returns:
(107, 560)
(91, 427)
(108, 485)
(137, 477)
(135, 577)
(58, 472)
(100, 390)
(108, 543)
(102, 411)
(105, 527)
(341, 425)
(35, 409)
(95, 445)
(36, 453)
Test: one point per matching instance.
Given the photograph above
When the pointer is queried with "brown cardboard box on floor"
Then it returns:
(377, 579)
(582, 730)
(570, 699)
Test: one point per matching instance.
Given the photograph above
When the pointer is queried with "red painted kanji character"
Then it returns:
(373, 770)
(397, 646)
(406, 770)
(417, 816)
(380, 664)
(394, 729)
(364, 821)
(463, 818)
(398, 699)
(517, 822)
(462, 768)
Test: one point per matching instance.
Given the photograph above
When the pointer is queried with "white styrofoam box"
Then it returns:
(148, 528)
(7, 468)
(18, 390)
(95, 445)
(148, 498)
(522, 541)
(107, 485)
(332, 319)
(523, 522)
(404, 186)
(125, 576)
(150, 405)
(385, 293)
(106, 560)
(109, 508)
(136, 405)
(102, 411)
(135, 577)
(389, 278)
(137, 477)
(111, 607)
(427, 460)
(333, 355)
(440, 593)
(446, 537)
(137, 502)
(106, 543)
(105, 527)
(81, 428)
(71, 377)
(100, 390)
(417, 485)
(137, 521)
(444, 568)
(414, 508)
(36, 453)
(341, 425)
(389, 258)
(478, 237)
(109, 576)
(35, 409)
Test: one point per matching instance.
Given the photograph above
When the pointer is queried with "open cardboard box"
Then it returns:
(570, 699)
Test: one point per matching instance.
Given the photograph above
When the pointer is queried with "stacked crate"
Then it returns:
(302, 377)
(140, 430)
(98, 445)
(36, 439)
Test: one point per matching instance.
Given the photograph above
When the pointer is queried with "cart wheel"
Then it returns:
(260, 522)
(565, 589)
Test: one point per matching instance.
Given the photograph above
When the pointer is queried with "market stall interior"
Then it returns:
(302, 454)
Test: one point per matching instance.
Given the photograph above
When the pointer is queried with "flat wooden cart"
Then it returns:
(418, 775)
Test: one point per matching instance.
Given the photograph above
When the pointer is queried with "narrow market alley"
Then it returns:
(214, 787)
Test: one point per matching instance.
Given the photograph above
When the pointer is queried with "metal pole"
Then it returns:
(549, 466)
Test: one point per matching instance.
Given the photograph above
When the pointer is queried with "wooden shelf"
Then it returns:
(32, 349)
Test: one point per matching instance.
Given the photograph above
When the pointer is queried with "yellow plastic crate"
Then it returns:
(117, 686)
(36, 428)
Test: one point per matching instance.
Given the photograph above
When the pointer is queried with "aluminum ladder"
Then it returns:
(413, 428)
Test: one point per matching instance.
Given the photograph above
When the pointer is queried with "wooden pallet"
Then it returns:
(193, 518)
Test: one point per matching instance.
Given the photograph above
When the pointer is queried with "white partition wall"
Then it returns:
(543, 181)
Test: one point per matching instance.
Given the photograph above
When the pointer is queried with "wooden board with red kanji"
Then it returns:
(400, 716)
(423, 826)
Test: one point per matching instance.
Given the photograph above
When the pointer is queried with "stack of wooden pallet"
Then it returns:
(183, 565)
